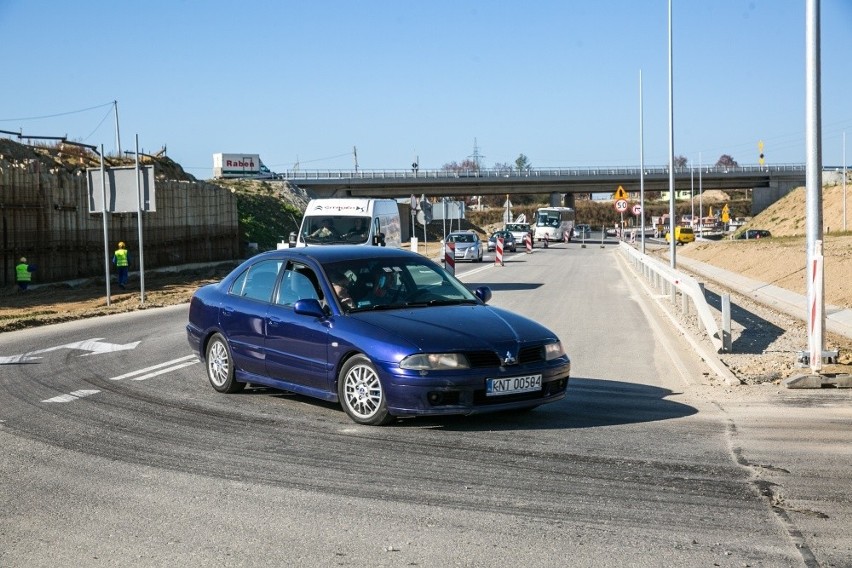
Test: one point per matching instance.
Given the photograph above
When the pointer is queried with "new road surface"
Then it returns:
(116, 452)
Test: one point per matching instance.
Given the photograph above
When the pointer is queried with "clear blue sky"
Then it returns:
(309, 80)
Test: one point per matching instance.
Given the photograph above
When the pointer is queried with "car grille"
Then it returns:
(527, 355)
(482, 359)
(531, 354)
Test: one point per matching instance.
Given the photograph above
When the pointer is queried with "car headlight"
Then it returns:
(553, 351)
(435, 362)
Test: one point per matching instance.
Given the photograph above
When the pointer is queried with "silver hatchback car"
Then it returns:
(467, 244)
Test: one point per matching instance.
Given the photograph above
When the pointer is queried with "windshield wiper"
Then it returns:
(377, 307)
(441, 302)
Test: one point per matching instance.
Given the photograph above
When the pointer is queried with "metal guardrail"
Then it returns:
(674, 281)
(531, 173)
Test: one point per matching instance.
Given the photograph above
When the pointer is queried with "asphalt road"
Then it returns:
(116, 452)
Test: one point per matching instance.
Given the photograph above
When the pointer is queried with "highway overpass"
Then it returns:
(769, 183)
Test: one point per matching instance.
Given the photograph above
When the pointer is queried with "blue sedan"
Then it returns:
(385, 332)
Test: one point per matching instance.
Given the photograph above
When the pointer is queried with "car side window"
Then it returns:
(239, 283)
(298, 283)
(259, 280)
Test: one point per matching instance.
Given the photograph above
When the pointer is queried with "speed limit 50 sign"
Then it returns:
(621, 205)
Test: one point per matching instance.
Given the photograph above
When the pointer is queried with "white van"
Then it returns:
(351, 221)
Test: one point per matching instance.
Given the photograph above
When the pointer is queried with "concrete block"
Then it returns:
(843, 381)
(804, 382)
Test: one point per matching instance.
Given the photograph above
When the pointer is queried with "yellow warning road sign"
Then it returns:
(620, 194)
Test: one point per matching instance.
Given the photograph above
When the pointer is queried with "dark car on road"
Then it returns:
(509, 242)
(385, 332)
(754, 234)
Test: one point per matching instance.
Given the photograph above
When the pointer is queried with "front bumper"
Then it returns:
(443, 393)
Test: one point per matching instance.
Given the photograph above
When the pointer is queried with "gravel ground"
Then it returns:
(765, 343)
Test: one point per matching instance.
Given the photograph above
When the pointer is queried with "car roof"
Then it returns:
(337, 253)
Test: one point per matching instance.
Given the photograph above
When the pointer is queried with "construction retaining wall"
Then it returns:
(44, 216)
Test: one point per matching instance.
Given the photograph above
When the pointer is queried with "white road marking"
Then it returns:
(138, 375)
(166, 370)
(95, 346)
(142, 374)
(76, 395)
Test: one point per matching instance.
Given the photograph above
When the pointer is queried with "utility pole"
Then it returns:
(117, 135)
(476, 156)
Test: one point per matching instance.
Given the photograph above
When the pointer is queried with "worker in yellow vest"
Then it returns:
(24, 274)
(121, 260)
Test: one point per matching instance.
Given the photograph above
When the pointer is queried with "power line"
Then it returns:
(109, 112)
(55, 115)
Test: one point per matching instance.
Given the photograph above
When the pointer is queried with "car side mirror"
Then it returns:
(379, 240)
(309, 307)
(483, 293)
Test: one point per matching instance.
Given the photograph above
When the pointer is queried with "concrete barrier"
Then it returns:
(674, 281)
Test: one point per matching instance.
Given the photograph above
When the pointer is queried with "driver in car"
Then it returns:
(325, 230)
(359, 230)
(340, 282)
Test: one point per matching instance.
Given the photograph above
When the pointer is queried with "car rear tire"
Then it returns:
(220, 366)
(361, 393)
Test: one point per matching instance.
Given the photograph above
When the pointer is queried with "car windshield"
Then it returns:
(394, 283)
(516, 227)
(466, 238)
(335, 229)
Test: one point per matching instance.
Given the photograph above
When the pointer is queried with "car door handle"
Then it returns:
(227, 311)
(274, 322)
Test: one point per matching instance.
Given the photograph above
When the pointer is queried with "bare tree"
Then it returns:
(465, 166)
(726, 161)
(680, 161)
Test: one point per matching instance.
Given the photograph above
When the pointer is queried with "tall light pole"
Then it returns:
(700, 194)
(672, 239)
(813, 185)
(642, 165)
(692, 194)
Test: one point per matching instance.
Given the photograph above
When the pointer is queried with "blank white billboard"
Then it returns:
(121, 189)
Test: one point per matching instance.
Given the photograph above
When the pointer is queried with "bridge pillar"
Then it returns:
(561, 199)
(763, 197)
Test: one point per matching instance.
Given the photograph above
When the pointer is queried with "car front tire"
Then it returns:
(361, 393)
(220, 366)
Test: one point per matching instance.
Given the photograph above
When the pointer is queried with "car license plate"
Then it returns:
(512, 385)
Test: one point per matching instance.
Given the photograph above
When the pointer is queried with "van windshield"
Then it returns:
(335, 229)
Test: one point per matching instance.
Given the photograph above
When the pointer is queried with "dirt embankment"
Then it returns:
(780, 260)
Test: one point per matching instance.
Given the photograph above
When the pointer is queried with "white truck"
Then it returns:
(352, 221)
(239, 166)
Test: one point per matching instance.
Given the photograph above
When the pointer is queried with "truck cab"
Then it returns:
(349, 221)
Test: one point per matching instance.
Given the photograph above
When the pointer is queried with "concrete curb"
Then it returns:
(838, 320)
(710, 358)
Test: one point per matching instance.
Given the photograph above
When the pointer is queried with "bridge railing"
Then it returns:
(331, 174)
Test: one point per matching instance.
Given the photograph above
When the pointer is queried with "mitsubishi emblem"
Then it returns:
(509, 360)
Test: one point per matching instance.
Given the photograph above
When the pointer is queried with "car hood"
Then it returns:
(457, 328)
